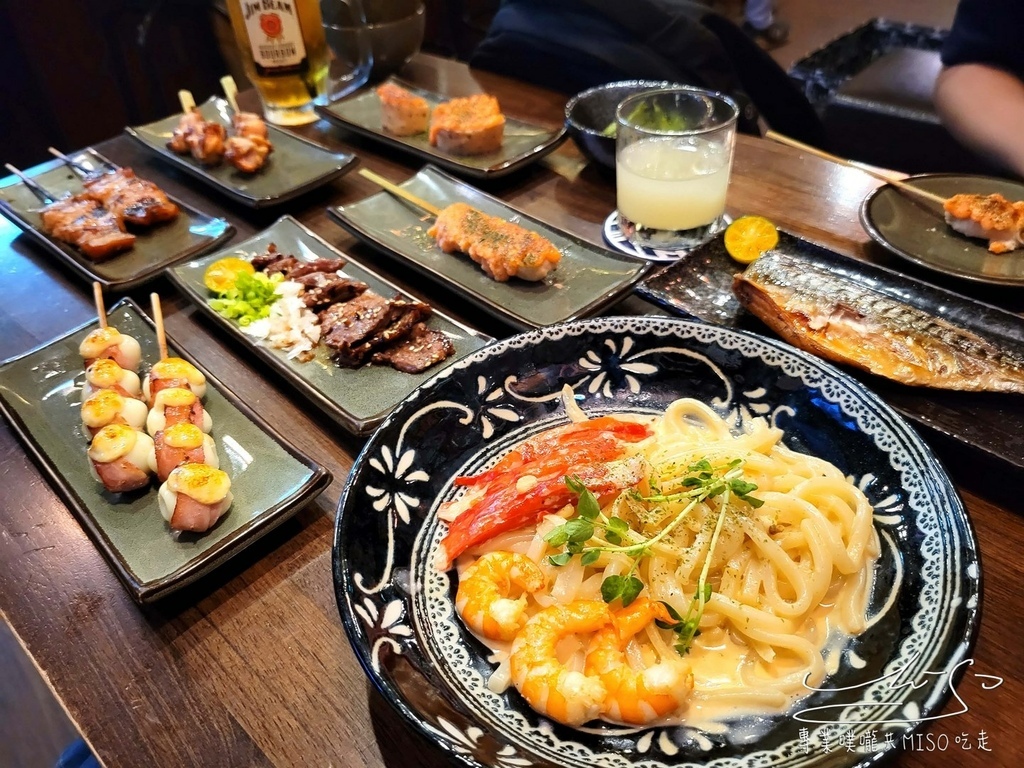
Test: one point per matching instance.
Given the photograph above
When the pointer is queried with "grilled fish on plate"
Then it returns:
(834, 317)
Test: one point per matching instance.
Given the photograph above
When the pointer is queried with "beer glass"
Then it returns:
(284, 54)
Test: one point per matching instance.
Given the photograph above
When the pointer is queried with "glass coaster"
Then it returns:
(614, 237)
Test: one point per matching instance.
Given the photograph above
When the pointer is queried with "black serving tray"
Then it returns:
(700, 287)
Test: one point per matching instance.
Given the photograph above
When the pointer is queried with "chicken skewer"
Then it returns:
(986, 217)
(131, 199)
(79, 221)
(249, 148)
(195, 493)
(204, 139)
(501, 248)
(110, 394)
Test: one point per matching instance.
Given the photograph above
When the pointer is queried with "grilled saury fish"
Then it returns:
(841, 320)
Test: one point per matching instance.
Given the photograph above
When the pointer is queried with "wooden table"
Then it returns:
(250, 666)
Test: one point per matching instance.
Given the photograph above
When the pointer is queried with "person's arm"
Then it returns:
(983, 106)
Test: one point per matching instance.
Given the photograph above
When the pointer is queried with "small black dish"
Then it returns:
(589, 113)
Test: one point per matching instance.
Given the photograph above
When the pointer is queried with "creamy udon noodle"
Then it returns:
(660, 570)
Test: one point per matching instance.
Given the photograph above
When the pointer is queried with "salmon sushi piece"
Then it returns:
(469, 126)
(402, 113)
(501, 248)
(987, 217)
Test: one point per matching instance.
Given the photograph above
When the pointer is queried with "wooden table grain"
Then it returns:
(250, 666)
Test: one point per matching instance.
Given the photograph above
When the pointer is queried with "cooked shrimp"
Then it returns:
(636, 697)
(549, 686)
(483, 599)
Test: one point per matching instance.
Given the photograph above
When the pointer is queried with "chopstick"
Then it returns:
(882, 175)
(37, 190)
(394, 189)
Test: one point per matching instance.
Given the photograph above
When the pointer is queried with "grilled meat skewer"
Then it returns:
(82, 222)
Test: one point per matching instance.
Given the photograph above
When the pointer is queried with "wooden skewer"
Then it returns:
(187, 102)
(230, 91)
(158, 320)
(101, 309)
(396, 190)
(37, 190)
(886, 177)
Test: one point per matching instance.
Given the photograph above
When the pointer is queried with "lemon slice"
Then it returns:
(220, 276)
(749, 237)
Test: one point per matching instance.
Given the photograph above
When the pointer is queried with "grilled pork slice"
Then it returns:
(85, 224)
(469, 126)
(131, 199)
(501, 248)
(844, 320)
(402, 113)
(422, 348)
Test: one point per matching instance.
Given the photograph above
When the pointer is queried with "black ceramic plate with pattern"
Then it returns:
(296, 165)
(397, 608)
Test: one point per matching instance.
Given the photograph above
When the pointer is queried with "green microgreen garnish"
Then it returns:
(702, 481)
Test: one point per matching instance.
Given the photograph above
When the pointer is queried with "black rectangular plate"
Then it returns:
(699, 287)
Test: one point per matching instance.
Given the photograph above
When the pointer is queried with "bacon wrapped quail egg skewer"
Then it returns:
(195, 497)
(104, 374)
(173, 372)
(108, 406)
(195, 493)
(120, 457)
(108, 342)
(181, 444)
(177, 405)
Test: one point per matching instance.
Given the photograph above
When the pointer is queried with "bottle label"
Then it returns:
(275, 36)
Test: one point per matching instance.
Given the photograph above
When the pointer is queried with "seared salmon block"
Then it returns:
(402, 113)
(470, 126)
(501, 248)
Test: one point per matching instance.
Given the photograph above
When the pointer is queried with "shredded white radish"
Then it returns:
(290, 326)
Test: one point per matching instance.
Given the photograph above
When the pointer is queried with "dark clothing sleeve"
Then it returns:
(987, 32)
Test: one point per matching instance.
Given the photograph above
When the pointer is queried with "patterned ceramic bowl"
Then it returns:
(397, 607)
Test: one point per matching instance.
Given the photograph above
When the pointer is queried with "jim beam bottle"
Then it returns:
(284, 53)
